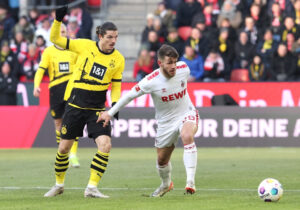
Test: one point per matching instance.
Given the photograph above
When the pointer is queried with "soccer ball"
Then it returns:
(270, 190)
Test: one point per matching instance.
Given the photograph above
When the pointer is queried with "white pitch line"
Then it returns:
(141, 189)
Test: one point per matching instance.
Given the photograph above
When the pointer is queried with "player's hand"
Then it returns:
(104, 116)
(117, 114)
(61, 12)
(36, 92)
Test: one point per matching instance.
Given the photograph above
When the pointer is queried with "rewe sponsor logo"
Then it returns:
(173, 96)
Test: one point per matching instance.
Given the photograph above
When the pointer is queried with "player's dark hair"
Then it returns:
(107, 26)
(167, 50)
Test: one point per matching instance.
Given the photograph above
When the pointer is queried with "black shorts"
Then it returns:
(57, 103)
(75, 119)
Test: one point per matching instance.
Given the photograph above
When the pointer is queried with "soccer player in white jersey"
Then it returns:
(175, 115)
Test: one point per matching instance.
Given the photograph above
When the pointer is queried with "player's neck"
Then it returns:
(106, 51)
(164, 73)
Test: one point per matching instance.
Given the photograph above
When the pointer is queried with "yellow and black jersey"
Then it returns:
(95, 71)
(60, 64)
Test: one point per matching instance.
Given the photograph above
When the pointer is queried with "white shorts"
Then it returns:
(168, 133)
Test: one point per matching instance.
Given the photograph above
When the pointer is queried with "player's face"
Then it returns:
(108, 41)
(168, 66)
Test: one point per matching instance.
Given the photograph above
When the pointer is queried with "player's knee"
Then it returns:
(187, 137)
(104, 144)
(162, 162)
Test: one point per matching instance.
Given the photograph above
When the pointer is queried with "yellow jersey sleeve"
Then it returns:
(116, 82)
(43, 66)
(74, 45)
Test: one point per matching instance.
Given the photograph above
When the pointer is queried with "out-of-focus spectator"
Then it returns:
(14, 7)
(148, 27)
(8, 86)
(289, 28)
(251, 30)
(209, 19)
(276, 21)
(31, 63)
(73, 29)
(175, 41)
(257, 70)
(296, 52)
(260, 18)
(296, 12)
(225, 24)
(160, 30)
(6, 55)
(40, 44)
(172, 4)
(186, 11)
(230, 12)
(226, 50)
(216, 4)
(35, 18)
(286, 6)
(283, 65)
(198, 42)
(244, 52)
(166, 15)
(241, 5)
(143, 65)
(266, 48)
(194, 62)
(44, 31)
(290, 40)
(19, 46)
(84, 20)
(6, 23)
(25, 27)
(153, 43)
(213, 67)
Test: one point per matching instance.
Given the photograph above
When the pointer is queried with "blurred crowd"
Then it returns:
(217, 37)
(23, 40)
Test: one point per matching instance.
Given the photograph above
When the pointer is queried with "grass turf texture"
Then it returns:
(227, 178)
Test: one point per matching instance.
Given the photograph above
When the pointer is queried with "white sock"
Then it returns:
(190, 161)
(164, 173)
(91, 186)
(59, 185)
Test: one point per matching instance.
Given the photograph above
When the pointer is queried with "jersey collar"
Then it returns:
(102, 51)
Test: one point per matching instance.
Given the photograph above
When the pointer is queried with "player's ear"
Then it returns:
(159, 62)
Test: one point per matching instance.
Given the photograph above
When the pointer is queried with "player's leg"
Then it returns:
(72, 126)
(190, 154)
(164, 169)
(73, 154)
(61, 166)
(57, 124)
(99, 163)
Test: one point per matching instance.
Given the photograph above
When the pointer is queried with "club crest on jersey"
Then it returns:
(63, 67)
(164, 90)
(112, 64)
(182, 83)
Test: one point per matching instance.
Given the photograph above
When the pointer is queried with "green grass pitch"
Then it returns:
(227, 178)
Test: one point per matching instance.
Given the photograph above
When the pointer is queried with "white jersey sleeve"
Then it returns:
(184, 68)
(124, 100)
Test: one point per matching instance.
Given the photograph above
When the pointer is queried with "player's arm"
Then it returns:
(116, 86)
(132, 94)
(75, 45)
(43, 66)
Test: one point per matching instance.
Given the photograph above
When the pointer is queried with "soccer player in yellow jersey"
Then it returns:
(60, 64)
(98, 65)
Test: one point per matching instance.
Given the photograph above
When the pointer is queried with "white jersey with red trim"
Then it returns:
(170, 95)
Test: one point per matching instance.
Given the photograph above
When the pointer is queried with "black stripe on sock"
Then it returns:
(99, 163)
(97, 168)
(102, 157)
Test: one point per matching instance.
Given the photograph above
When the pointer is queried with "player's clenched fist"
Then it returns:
(104, 116)
(61, 12)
